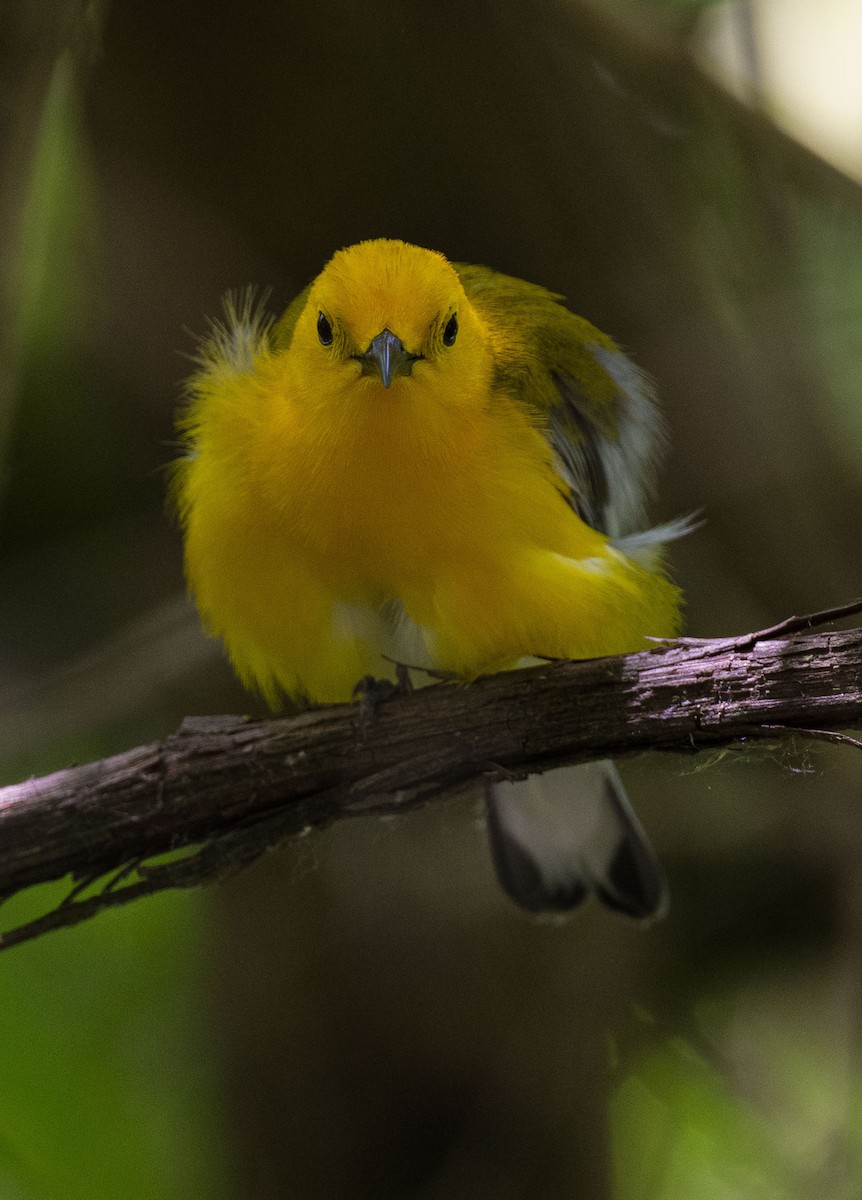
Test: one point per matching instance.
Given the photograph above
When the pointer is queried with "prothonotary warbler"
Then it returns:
(439, 465)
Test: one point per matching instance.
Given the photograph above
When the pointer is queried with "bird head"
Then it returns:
(391, 316)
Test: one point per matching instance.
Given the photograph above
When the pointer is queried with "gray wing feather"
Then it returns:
(610, 478)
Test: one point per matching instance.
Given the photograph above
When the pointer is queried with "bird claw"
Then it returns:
(372, 692)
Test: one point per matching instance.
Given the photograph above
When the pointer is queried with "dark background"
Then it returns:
(364, 1014)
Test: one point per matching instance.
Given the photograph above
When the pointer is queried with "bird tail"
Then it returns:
(557, 837)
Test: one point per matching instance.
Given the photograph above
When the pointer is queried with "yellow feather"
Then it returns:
(324, 512)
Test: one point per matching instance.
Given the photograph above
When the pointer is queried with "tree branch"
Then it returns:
(225, 789)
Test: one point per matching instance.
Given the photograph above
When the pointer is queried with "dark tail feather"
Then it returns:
(557, 837)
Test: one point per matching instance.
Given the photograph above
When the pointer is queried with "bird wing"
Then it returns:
(557, 838)
(596, 408)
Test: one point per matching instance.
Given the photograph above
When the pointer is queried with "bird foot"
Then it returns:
(372, 692)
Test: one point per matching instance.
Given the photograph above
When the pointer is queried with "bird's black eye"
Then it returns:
(451, 330)
(324, 330)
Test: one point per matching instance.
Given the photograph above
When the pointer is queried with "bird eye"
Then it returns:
(451, 330)
(324, 330)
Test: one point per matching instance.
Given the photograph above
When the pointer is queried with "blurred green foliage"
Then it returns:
(108, 1083)
(54, 287)
(58, 237)
(680, 1131)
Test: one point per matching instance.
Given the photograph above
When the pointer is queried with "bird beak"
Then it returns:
(387, 358)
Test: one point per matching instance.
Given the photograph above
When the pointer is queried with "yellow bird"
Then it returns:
(441, 465)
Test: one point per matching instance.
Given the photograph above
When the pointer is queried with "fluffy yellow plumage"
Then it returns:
(443, 466)
(331, 519)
